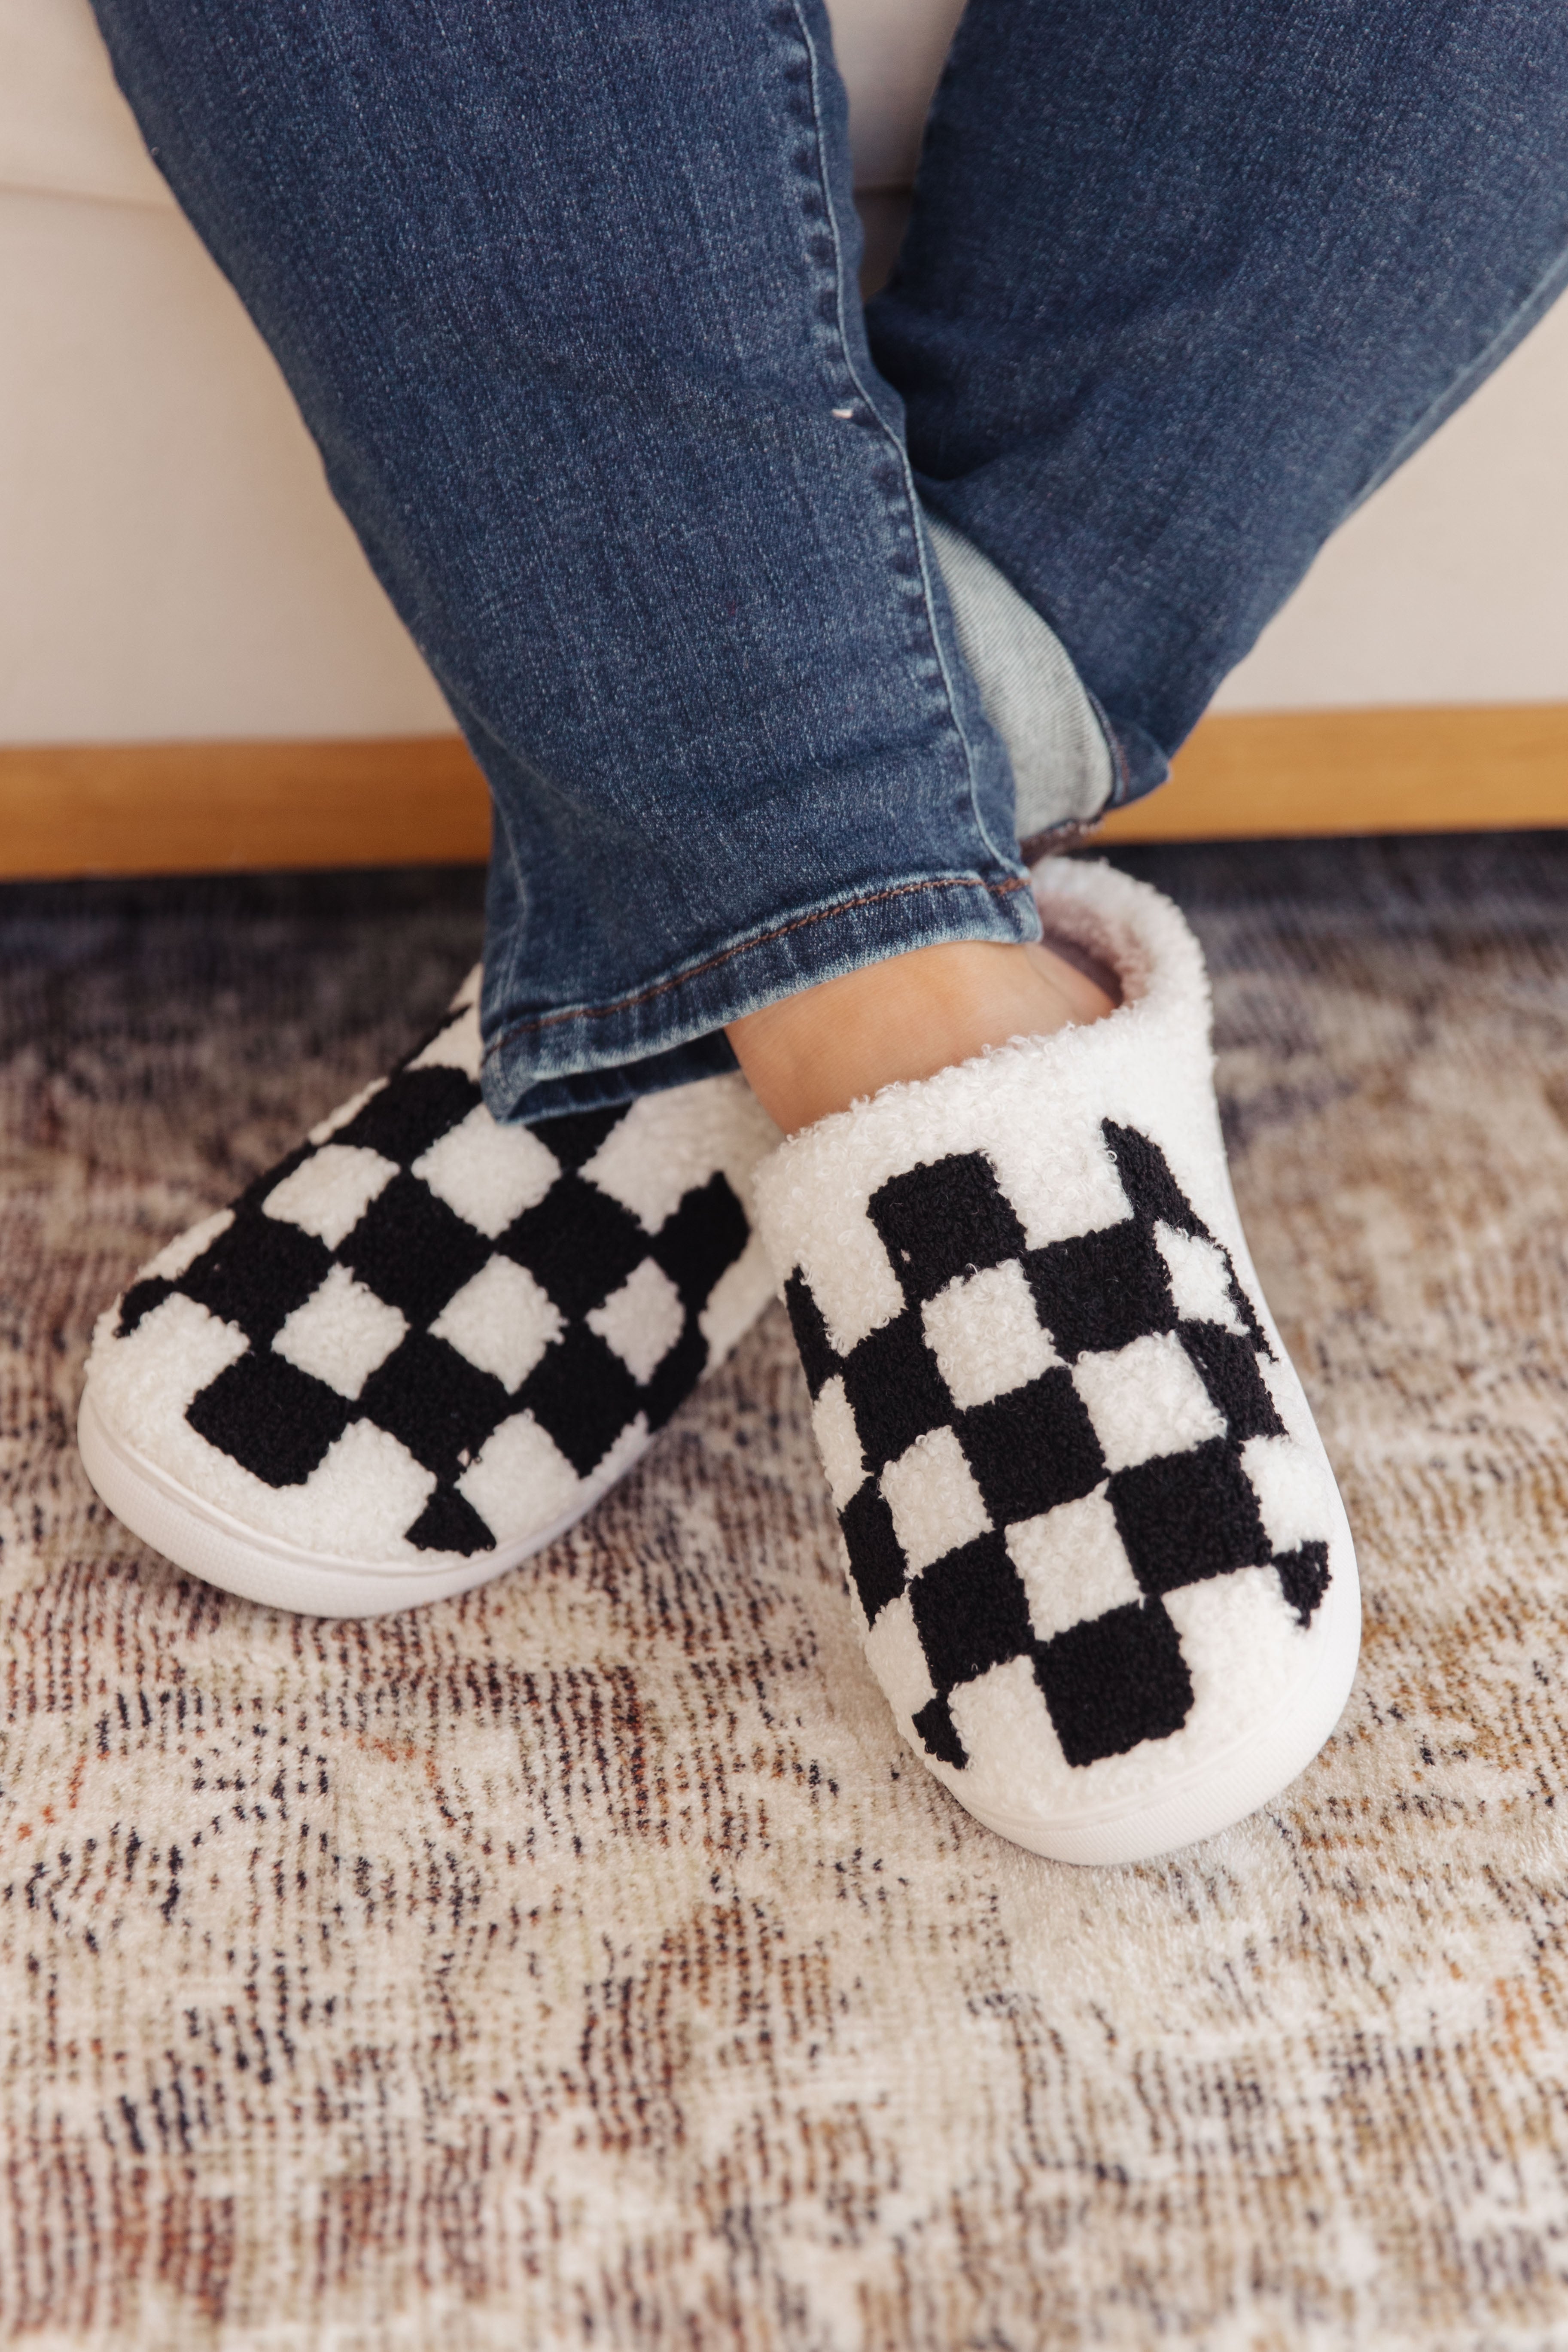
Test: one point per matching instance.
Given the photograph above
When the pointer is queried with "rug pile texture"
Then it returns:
(585, 1963)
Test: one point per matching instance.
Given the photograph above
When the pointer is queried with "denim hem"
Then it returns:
(1141, 764)
(1071, 763)
(527, 1056)
(1064, 769)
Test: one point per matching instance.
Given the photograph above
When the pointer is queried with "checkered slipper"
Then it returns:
(424, 1344)
(1106, 1578)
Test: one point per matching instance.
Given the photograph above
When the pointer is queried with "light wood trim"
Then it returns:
(203, 808)
(185, 808)
(1268, 774)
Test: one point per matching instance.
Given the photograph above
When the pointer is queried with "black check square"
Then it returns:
(895, 1389)
(1114, 1681)
(576, 1135)
(971, 1611)
(451, 1523)
(1304, 1578)
(576, 1241)
(1101, 1290)
(1146, 1179)
(949, 1218)
(1158, 1199)
(1185, 1516)
(1031, 1449)
(436, 1402)
(875, 1556)
(257, 1273)
(700, 1241)
(1231, 1373)
(413, 1251)
(675, 1376)
(273, 1420)
(937, 1734)
(411, 1112)
(819, 1358)
(581, 1395)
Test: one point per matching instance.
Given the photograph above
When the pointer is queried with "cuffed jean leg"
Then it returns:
(566, 295)
(1183, 286)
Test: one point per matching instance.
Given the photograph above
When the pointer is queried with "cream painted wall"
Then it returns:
(172, 565)
(63, 124)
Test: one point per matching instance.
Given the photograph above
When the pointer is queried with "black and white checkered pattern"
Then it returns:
(474, 1293)
(1046, 1443)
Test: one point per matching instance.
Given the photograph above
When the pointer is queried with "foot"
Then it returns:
(907, 1017)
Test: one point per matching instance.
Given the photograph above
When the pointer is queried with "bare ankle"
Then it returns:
(905, 1018)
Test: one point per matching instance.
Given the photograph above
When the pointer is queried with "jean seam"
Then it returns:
(1121, 769)
(532, 1026)
(894, 443)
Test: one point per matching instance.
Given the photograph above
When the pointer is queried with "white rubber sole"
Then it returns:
(223, 1551)
(1226, 1787)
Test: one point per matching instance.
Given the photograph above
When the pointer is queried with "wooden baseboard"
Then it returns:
(190, 808)
(212, 808)
(1270, 774)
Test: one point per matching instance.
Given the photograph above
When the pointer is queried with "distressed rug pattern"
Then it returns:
(584, 1963)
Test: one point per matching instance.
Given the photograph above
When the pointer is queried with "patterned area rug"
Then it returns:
(584, 1963)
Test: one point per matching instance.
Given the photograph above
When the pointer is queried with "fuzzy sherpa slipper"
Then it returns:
(423, 1345)
(1107, 1581)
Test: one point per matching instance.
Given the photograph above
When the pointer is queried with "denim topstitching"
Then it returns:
(531, 1027)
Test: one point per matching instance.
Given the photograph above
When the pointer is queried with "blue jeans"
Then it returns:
(774, 623)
